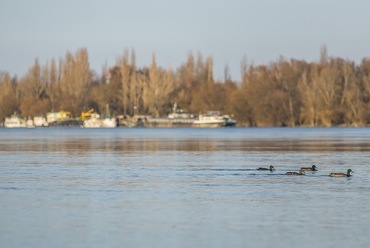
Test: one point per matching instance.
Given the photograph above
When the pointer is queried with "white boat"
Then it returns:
(214, 119)
(181, 118)
(40, 121)
(15, 121)
(210, 119)
(93, 122)
(178, 118)
(172, 120)
(96, 122)
(109, 122)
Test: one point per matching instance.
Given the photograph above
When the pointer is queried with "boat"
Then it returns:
(180, 118)
(62, 119)
(229, 122)
(15, 121)
(172, 120)
(40, 121)
(210, 119)
(87, 114)
(109, 123)
(214, 119)
(128, 121)
(177, 118)
(95, 121)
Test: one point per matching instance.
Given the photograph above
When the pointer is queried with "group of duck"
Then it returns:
(303, 170)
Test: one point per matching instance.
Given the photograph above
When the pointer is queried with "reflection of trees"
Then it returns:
(139, 147)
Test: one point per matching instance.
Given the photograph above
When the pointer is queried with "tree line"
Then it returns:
(330, 92)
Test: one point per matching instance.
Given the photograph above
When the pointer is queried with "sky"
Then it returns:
(259, 30)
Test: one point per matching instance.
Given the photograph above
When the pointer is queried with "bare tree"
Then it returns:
(32, 91)
(31, 85)
(125, 80)
(365, 86)
(332, 91)
(308, 111)
(53, 85)
(8, 99)
(75, 81)
(157, 89)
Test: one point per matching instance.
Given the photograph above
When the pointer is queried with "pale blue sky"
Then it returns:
(261, 30)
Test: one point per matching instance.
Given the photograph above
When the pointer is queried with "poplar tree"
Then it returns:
(8, 99)
(75, 81)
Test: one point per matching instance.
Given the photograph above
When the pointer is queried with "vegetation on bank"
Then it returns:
(330, 92)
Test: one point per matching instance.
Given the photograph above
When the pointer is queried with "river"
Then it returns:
(183, 187)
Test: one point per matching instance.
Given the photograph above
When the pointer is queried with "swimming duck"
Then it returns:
(295, 173)
(312, 168)
(271, 168)
(337, 174)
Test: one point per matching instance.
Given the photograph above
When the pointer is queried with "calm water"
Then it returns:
(183, 187)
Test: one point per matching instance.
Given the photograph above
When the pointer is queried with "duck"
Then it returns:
(338, 174)
(312, 168)
(271, 168)
(295, 173)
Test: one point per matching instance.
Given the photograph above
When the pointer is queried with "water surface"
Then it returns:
(183, 187)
